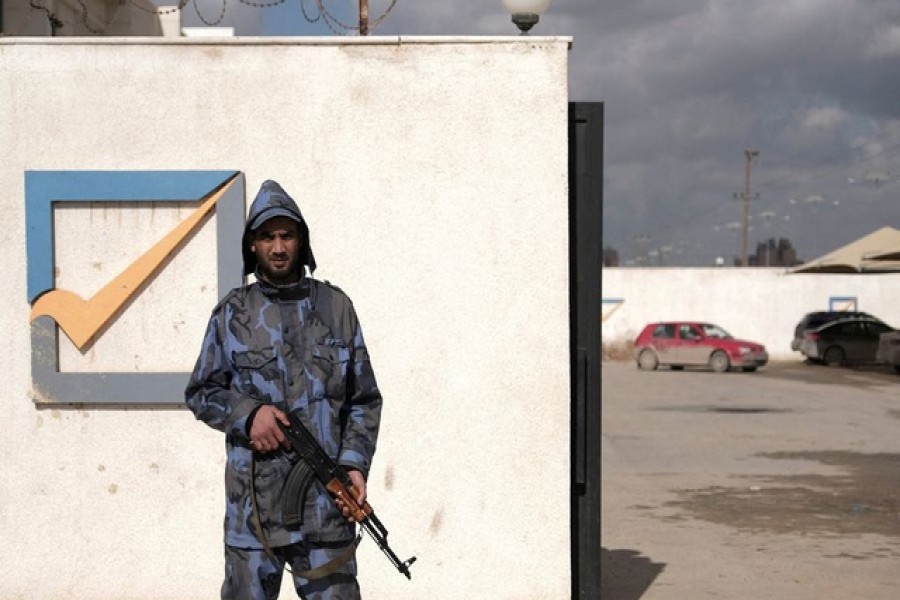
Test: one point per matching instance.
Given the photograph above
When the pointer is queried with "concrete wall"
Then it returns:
(434, 175)
(758, 304)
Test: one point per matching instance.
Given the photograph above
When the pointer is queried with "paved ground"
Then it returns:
(780, 484)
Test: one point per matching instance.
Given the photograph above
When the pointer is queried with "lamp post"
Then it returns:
(526, 13)
(749, 155)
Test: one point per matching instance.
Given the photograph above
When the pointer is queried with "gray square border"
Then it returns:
(52, 387)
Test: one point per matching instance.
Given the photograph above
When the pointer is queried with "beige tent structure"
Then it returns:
(890, 255)
(877, 252)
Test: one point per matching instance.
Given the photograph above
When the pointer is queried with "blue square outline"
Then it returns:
(833, 301)
(43, 190)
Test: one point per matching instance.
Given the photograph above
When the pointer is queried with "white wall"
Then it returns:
(434, 175)
(759, 304)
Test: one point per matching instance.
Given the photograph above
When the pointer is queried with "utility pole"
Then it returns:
(363, 17)
(745, 223)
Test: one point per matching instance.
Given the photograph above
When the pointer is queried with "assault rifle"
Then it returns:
(315, 463)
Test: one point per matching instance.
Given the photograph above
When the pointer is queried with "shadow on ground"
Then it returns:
(625, 574)
(861, 500)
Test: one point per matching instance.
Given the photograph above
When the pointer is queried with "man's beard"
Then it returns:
(278, 275)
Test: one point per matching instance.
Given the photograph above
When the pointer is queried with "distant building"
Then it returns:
(610, 257)
(772, 253)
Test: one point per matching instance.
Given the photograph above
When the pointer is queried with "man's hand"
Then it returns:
(265, 435)
(359, 486)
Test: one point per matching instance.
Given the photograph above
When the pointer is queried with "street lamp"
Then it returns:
(526, 13)
(749, 155)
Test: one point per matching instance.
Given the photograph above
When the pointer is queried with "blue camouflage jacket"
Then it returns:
(301, 348)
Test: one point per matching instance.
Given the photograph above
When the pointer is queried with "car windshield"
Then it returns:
(714, 331)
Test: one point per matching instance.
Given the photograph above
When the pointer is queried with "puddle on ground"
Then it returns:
(726, 409)
(862, 500)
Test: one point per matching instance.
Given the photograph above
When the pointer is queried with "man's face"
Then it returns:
(276, 244)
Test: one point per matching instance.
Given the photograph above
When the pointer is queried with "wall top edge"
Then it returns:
(394, 40)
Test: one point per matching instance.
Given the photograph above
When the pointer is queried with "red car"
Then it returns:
(688, 343)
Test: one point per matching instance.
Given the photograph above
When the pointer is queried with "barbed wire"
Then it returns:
(165, 11)
(85, 20)
(203, 19)
(262, 4)
(336, 25)
(55, 21)
(333, 22)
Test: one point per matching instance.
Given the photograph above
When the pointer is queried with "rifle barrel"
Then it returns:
(334, 477)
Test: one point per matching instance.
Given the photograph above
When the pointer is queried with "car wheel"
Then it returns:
(719, 362)
(834, 356)
(647, 360)
(749, 369)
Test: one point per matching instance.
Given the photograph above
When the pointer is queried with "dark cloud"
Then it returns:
(688, 85)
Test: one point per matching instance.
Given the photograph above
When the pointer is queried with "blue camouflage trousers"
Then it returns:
(253, 575)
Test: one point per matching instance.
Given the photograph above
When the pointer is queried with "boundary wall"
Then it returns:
(758, 304)
(434, 175)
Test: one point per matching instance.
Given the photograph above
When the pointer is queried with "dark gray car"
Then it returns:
(813, 320)
(845, 341)
(888, 352)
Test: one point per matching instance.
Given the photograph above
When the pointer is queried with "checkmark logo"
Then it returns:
(82, 320)
(610, 306)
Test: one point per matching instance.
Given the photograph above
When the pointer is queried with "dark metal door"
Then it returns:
(585, 300)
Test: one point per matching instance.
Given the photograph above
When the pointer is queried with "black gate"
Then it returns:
(585, 301)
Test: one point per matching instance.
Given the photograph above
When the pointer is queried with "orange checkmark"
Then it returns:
(610, 312)
(81, 319)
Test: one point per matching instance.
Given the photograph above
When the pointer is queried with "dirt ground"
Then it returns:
(862, 500)
(778, 484)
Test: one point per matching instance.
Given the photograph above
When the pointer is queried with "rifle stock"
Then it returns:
(338, 483)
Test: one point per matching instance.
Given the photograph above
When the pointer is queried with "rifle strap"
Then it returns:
(317, 573)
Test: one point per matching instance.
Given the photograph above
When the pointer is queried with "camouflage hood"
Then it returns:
(272, 201)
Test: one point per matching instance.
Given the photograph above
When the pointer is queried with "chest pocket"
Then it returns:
(330, 361)
(258, 373)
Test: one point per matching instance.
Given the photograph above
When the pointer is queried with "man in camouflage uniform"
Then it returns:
(286, 343)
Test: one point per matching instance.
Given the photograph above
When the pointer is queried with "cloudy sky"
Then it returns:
(688, 87)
